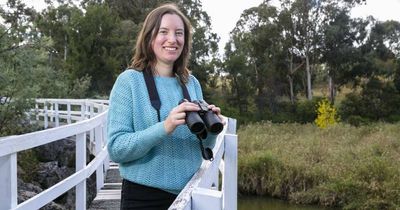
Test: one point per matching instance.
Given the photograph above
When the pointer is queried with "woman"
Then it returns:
(156, 152)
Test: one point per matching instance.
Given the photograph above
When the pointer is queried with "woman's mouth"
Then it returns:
(170, 48)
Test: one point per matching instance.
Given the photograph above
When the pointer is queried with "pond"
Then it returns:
(260, 203)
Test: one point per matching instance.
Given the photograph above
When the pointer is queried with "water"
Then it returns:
(264, 203)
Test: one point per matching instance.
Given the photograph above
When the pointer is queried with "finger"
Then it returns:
(188, 107)
(222, 117)
(180, 122)
(179, 116)
(216, 109)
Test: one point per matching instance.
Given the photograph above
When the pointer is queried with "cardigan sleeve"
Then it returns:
(125, 144)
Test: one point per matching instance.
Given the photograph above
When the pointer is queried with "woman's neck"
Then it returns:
(164, 70)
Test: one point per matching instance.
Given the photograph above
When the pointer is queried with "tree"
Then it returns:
(258, 37)
(339, 50)
(307, 17)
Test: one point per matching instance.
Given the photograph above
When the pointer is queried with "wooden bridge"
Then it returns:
(213, 186)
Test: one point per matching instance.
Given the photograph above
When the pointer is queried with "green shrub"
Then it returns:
(305, 110)
(356, 120)
(378, 101)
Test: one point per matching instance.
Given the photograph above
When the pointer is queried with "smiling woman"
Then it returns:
(157, 156)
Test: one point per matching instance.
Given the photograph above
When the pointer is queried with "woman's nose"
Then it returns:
(172, 37)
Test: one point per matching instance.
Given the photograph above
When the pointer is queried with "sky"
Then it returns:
(224, 18)
(225, 13)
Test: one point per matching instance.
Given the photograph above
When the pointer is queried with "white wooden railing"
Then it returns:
(204, 191)
(90, 120)
(213, 186)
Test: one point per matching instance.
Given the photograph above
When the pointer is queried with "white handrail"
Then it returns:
(202, 191)
(92, 122)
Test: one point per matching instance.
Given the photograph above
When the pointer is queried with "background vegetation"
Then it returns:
(340, 166)
(279, 64)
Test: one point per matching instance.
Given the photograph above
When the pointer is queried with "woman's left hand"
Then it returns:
(217, 111)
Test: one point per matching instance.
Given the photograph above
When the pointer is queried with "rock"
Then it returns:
(62, 151)
(27, 191)
(51, 173)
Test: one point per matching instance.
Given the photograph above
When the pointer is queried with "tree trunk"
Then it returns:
(332, 89)
(309, 92)
(65, 47)
(290, 78)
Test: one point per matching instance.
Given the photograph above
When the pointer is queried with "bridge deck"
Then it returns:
(109, 196)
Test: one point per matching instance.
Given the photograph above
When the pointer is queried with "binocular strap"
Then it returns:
(206, 153)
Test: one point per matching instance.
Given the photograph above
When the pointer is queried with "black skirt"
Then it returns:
(139, 197)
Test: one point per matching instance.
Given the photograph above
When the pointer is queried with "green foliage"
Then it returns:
(25, 76)
(378, 100)
(340, 166)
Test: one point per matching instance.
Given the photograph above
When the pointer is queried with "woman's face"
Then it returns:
(170, 39)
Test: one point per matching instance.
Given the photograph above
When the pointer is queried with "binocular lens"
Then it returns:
(197, 127)
(216, 128)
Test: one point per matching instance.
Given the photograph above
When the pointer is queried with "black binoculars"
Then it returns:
(203, 120)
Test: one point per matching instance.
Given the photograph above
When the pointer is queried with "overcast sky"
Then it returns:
(225, 13)
(224, 17)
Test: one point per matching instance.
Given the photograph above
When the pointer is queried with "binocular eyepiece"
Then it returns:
(203, 120)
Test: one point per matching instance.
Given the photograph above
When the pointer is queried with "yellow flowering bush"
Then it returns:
(326, 114)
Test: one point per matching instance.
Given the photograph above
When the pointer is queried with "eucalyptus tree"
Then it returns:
(377, 53)
(306, 17)
(58, 24)
(340, 52)
(258, 37)
(239, 84)
(292, 60)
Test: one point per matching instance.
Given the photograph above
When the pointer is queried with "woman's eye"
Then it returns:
(163, 32)
(179, 33)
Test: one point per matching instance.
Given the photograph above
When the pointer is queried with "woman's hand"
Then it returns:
(178, 114)
(217, 111)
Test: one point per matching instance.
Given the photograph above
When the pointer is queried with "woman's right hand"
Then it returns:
(178, 114)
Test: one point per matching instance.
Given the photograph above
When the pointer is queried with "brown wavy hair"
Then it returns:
(144, 58)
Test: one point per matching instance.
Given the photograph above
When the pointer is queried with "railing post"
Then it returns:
(69, 112)
(8, 181)
(37, 111)
(98, 146)
(91, 132)
(203, 198)
(46, 115)
(83, 110)
(230, 171)
(107, 159)
(80, 163)
(51, 114)
(56, 117)
(91, 109)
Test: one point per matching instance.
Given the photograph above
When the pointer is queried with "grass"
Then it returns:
(343, 166)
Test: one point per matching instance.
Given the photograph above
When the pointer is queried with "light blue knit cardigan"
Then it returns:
(146, 154)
